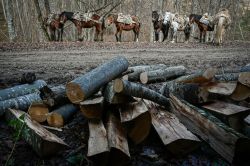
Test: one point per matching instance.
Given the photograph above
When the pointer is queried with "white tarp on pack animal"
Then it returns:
(223, 13)
(179, 22)
(82, 16)
(126, 19)
(206, 19)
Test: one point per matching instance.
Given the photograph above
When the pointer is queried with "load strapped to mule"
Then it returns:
(80, 16)
(126, 19)
(207, 20)
(223, 13)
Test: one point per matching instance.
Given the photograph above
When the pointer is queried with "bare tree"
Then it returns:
(9, 19)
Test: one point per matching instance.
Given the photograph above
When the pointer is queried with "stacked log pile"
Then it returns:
(120, 105)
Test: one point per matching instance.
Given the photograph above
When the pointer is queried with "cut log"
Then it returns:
(221, 88)
(241, 92)
(137, 119)
(162, 74)
(43, 142)
(226, 77)
(199, 77)
(92, 108)
(247, 120)
(244, 78)
(21, 90)
(21, 102)
(117, 140)
(231, 145)
(28, 77)
(232, 114)
(38, 112)
(193, 93)
(60, 116)
(174, 135)
(135, 76)
(86, 85)
(245, 68)
(115, 98)
(137, 90)
(98, 140)
(54, 96)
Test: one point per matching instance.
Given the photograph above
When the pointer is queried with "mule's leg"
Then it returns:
(116, 35)
(200, 36)
(120, 36)
(79, 33)
(156, 36)
(61, 35)
(204, 37)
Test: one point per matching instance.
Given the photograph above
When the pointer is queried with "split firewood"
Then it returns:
(198, 77)
(221, 88)
(247, 120)
(86, 85)
(98, 139)
(54, 96)
(92, 108)
(43, 142)
(193, 93)
(38, 112)
(21, 90)
(137, 119)
(137, 90)
(231, 145)
(115, 98)
(232, 114)
(117, 140)
(21, 102)
(61, 115)
(244, 78)
(226, 77)
(174, 135)
(241, 92)
(135, 76)
(162, 74)
(28, 77)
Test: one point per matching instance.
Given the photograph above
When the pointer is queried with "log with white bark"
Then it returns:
(86, 85)
(21, 90)
(135, 76)
(226, 77)
(117, 140)
(21, 102)
(232, 114)
(244, 78)
(162, 74)
(112, 97)
(54, 96)
(221, 88)
(137, 90)
(241, 92)
(43, 142)
(247, 120)
(137, 119)
(61, 115)
(231, 145)
(174, 135)
(38, 112)
(198, 77)
(92, 108)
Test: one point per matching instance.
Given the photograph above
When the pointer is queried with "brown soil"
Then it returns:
(58, 63)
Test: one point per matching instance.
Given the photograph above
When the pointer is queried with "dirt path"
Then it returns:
(60, 62)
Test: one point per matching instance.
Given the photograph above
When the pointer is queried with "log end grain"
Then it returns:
(55, 120)
(118, 85)
(38, 112)
(144, 77)
(74, 92)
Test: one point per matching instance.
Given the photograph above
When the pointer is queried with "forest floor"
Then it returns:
(59, 63)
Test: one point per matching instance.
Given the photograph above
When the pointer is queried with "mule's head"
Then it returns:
(167, 18)
(64, 16)
(155, 16)
(110, 19)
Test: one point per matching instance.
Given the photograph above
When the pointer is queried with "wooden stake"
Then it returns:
(86, 85)
(43, 142)
(231, 145)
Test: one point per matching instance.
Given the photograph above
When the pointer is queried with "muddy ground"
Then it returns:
(58, 63)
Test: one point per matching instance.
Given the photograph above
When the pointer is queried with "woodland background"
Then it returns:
(21, 20)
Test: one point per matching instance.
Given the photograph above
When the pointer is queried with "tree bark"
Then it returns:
(21, 102)
(40, 20)
(230, 144)
(21, 90)
(137, 119)
(92, 108)
(135, 76)
(42, 141)
(86, 85)
(60, 116)
(174, 135)
(117, 140)
(199, 77)
(137, 90)
(10, 19)
(162, 74)
(38, 112)
(47, 7)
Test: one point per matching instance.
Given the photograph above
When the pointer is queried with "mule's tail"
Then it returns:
(219, 29)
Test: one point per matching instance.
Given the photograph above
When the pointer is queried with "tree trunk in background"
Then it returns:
(9, 19)
(40, 20)
(47, 7)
